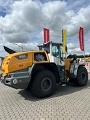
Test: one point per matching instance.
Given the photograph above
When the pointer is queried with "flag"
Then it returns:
(46, 35)
(64, 41)
(81, 38)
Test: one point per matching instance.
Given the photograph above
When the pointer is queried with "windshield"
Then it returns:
(57, 51)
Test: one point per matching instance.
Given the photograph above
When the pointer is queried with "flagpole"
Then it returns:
(84, 56)
(84, 45)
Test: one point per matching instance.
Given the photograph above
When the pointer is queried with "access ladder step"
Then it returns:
(63, 84)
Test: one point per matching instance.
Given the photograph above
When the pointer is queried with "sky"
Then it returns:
(22, 23)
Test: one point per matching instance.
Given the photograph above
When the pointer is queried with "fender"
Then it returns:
(74, 69)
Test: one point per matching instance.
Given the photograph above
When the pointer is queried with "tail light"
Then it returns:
(10, 75)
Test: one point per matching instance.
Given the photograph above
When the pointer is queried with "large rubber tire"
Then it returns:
(44, 84)
(35, 71)
(82, 77)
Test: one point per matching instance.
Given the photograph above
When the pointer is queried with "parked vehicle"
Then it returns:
(40, 70)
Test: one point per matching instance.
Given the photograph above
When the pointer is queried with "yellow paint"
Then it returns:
(12, 64)
(64, 41)
(67, 67)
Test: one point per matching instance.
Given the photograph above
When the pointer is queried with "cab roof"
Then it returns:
(25, 52)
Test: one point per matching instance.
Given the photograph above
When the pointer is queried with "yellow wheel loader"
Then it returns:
(41, 70)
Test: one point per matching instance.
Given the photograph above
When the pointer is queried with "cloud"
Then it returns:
(20, 37)
(5, 6)
(80, 19)
(26, 19)
(77, 4)
(29, 16)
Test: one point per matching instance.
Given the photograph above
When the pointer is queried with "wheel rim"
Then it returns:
(83, 76)
(46, 84)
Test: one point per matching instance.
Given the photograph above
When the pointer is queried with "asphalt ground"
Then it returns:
(67, 103)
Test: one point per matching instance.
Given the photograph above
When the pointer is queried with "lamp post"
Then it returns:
(18, 46)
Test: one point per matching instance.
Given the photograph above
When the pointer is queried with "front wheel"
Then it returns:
(82, 77)
(44, 84)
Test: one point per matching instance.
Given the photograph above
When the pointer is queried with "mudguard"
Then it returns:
(74, 69)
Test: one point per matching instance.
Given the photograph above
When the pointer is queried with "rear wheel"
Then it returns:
(82, 77)
(36, 69)
(43, 84)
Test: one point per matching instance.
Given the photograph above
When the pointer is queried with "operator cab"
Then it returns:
(54, 51)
